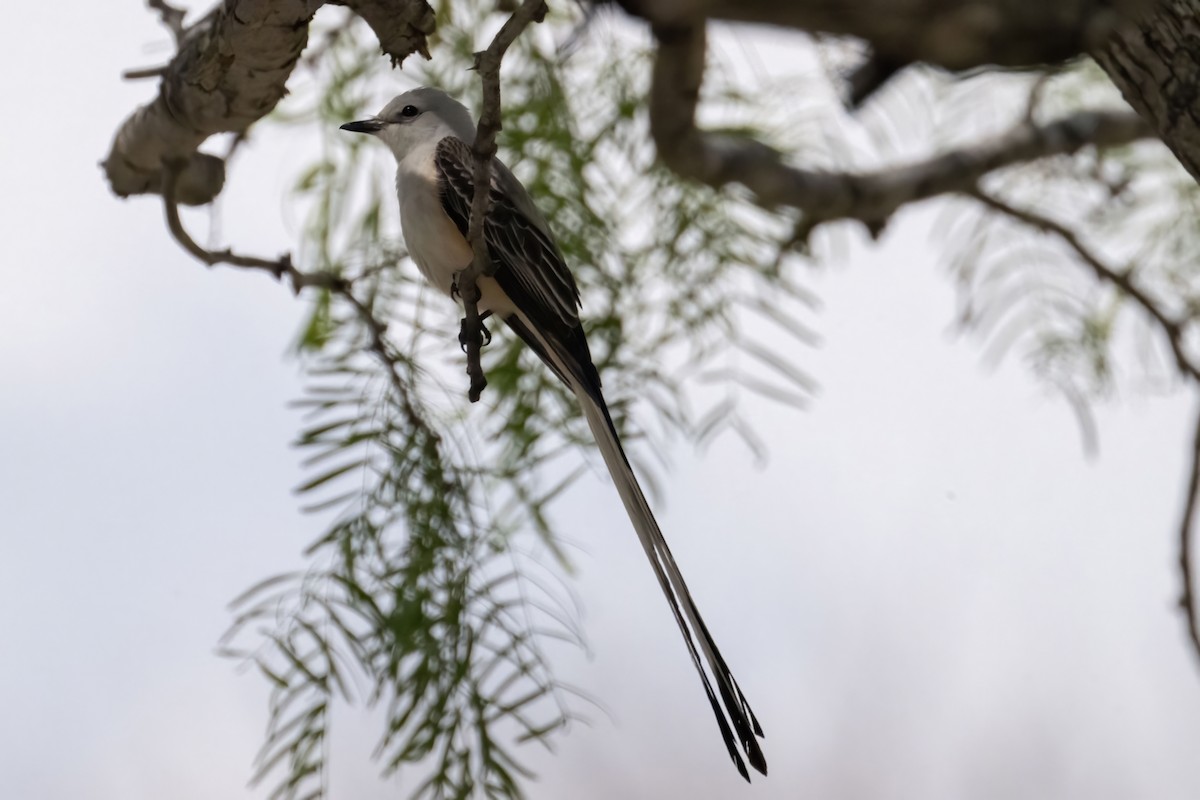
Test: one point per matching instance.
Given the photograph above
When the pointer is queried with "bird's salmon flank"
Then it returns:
(535, 294)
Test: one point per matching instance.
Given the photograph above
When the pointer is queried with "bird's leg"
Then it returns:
(462, 331)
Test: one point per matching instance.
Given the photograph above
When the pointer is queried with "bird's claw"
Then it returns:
(464, 337)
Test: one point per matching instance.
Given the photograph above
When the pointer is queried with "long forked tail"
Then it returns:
(736, 710)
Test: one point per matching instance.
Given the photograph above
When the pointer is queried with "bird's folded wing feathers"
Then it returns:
(528, 263)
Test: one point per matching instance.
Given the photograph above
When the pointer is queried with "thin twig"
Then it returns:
(171, 17)
(1175, 329)
(279, 268)
(282, 267)
(488, 65)
(144, 73)
(1187, 598)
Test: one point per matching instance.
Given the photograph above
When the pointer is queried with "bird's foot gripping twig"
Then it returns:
(472, 335)
(464, 334)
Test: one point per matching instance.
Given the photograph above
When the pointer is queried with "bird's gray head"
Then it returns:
(421, 116)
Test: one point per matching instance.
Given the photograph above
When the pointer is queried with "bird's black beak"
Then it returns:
(364, 126)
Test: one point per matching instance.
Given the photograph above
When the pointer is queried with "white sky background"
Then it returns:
(927, 593)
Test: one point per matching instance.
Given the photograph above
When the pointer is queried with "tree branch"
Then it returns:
(1175, 329)
(1156, 65)
(377, 343)
(171, 17)
(946, 33)
(488, 65)
(717, 159)
(1187, 597)
(230, 71)
(278, 268)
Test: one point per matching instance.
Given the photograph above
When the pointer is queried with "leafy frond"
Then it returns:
(418, 593)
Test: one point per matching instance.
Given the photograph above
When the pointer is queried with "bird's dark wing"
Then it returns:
(529, 266)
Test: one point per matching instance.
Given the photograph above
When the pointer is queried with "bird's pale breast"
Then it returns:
(433, 240)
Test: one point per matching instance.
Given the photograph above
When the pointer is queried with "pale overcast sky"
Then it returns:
(929, 592)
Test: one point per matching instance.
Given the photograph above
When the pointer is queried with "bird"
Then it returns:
(533, 292)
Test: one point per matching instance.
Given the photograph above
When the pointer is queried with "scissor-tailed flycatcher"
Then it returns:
(532, 290)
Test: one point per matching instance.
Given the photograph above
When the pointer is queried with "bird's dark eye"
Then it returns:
(409, 111)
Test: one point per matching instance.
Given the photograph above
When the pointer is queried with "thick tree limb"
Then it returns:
(1156, 65)
(824, 196)
(230, 71)
(947, 33)
(488, 65)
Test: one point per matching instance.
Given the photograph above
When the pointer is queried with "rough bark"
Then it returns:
(956, 34)
(400, 25)
(1156, 64)
(230, 70)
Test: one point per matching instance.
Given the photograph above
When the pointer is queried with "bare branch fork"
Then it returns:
(487, 63)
